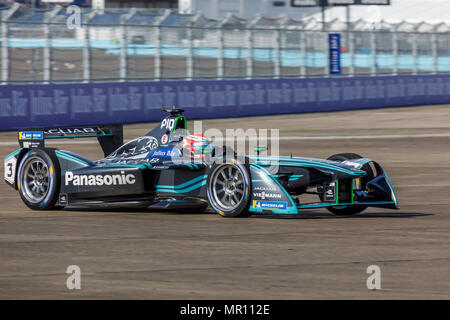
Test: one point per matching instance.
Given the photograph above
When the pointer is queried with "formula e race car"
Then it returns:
(170, 169)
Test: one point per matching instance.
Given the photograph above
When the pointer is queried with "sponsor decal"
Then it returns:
(164, 139)
(31, 135)
(159, 167)
(265, 188)
(152, 143)
(63, 199)
(64, 131)
(31, 145)
(330, 192)
(264, 195)
(167, 124)
(10, 170)
(99, 179)
(164, 153)
(135, 148)
(259, 204)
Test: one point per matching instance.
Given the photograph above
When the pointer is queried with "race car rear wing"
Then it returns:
(110, 137)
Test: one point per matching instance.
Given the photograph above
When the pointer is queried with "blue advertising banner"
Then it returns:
(25, 106)
(334, 43)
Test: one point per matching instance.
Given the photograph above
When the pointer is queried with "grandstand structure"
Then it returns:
(37, 46)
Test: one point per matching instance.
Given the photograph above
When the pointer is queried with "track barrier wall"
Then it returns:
(26, 106)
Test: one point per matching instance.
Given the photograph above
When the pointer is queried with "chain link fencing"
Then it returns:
(130, 45)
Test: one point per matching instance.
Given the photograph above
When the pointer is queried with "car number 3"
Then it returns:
(10, 170)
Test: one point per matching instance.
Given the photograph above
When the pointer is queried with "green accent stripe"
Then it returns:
(70, 157)
(337, 191)
(13, 154)
(307, 163)
(186, 190)
(259, 210)
(183, 185)
(288, 210)
(295, 177)
(176, 123)
(351, 191)
(323, 205)
(335, 168)
(325, 166)
(392, 187)
(120, 165)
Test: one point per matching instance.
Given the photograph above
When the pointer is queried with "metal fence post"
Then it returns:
(158, 68)
(47, 51)
(327, 53)
(414, 52)
(5, 60)
(394, 53)
(373, 54)
(351, 53)
(123, 53)
(220, 44)
(86, 55)
(190, 58)
(249, 54)
(434, 45)
(46, 54)
(5, 15)
(277, 62)
(302, 35)
(124, 45)
(158, 54)
(190, 55)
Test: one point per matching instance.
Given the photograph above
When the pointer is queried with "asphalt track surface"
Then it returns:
(125, 254)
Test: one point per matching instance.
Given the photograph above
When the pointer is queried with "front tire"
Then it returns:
(39, 179)
(228, 191)
(350, 210)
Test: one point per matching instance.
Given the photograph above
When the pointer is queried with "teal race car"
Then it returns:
(169, 168)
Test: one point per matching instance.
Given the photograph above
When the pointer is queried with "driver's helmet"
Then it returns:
(196, 146)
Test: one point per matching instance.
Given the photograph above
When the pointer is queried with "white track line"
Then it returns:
(288, 138)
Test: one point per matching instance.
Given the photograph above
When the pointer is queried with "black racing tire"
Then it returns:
(346, 211)
(39, 179)
(351, 210)
(344, 156)
(226, 196)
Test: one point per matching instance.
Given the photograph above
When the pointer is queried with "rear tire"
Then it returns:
(228, 190)
(39, 179)
(351, 210)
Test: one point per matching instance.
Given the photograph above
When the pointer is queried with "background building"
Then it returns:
(215, 9)
(165, 4)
